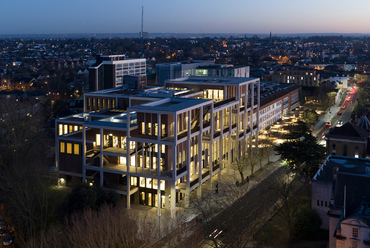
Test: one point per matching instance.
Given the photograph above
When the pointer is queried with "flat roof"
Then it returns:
(118, 121)
(211, 80)
(171, 104)
(81, 117)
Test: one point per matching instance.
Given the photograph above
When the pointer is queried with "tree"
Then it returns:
(301, 151)
(85, 197)
(289, 202)
(240, 164)
(252, 159)
(307, 223)
(25, 184)
(310, 116)
(108, 227)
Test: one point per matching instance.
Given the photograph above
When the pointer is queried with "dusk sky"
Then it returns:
(191, 16)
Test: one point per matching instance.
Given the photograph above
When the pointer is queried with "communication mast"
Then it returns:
(142, 30)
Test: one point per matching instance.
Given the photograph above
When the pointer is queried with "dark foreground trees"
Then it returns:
(108, 227)
(25, 181)
(84, 197)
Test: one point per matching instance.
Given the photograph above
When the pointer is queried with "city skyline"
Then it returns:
(280, 17)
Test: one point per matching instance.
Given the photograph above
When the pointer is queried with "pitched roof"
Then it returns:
(357, 187)
(364, 123)
(348, 130)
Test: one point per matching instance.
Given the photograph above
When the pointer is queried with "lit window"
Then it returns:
(62, 147)
(76, 149)
(356, 152)
(142, 182)
(70, 129)
(143, 127)
(75, 128)
(162, 184)
(155, 184)
(69, 148)
(65, 129)
(133, 181)
(60, 129)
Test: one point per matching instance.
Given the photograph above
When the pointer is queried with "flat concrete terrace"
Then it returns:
(82, 117)
(116, 121)
(107, 113)
(171, 105)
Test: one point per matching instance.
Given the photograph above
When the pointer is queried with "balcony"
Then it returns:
(180, 171)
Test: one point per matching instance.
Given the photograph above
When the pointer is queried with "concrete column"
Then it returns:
(101, 157)
(221, 139)
(159, 198)
(168, 192)
(251, 116)
(128, 200)
(173, 200)
(188, 146)
(199, 189)
(83, 153)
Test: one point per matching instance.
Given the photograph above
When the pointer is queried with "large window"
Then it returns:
(62, 147)
(69, 148)
(76, 149)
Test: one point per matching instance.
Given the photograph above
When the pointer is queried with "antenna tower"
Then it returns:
(142, 30)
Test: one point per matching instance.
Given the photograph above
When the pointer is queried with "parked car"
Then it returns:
(328, 124)
(343, 106)
(339, 112)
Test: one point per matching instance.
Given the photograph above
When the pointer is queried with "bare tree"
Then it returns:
(240, 164)
(288, 204)
(108, 227)
(252, 159)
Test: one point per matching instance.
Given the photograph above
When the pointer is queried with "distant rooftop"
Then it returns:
(210, 80)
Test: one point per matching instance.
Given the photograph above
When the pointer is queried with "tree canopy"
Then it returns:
(301, 151)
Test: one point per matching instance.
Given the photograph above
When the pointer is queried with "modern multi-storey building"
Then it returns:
(222, 70)
(174, 70)
(277, 100)
(157, 145)
(112, 71)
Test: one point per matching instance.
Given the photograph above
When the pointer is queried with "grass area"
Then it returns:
(275, 232)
